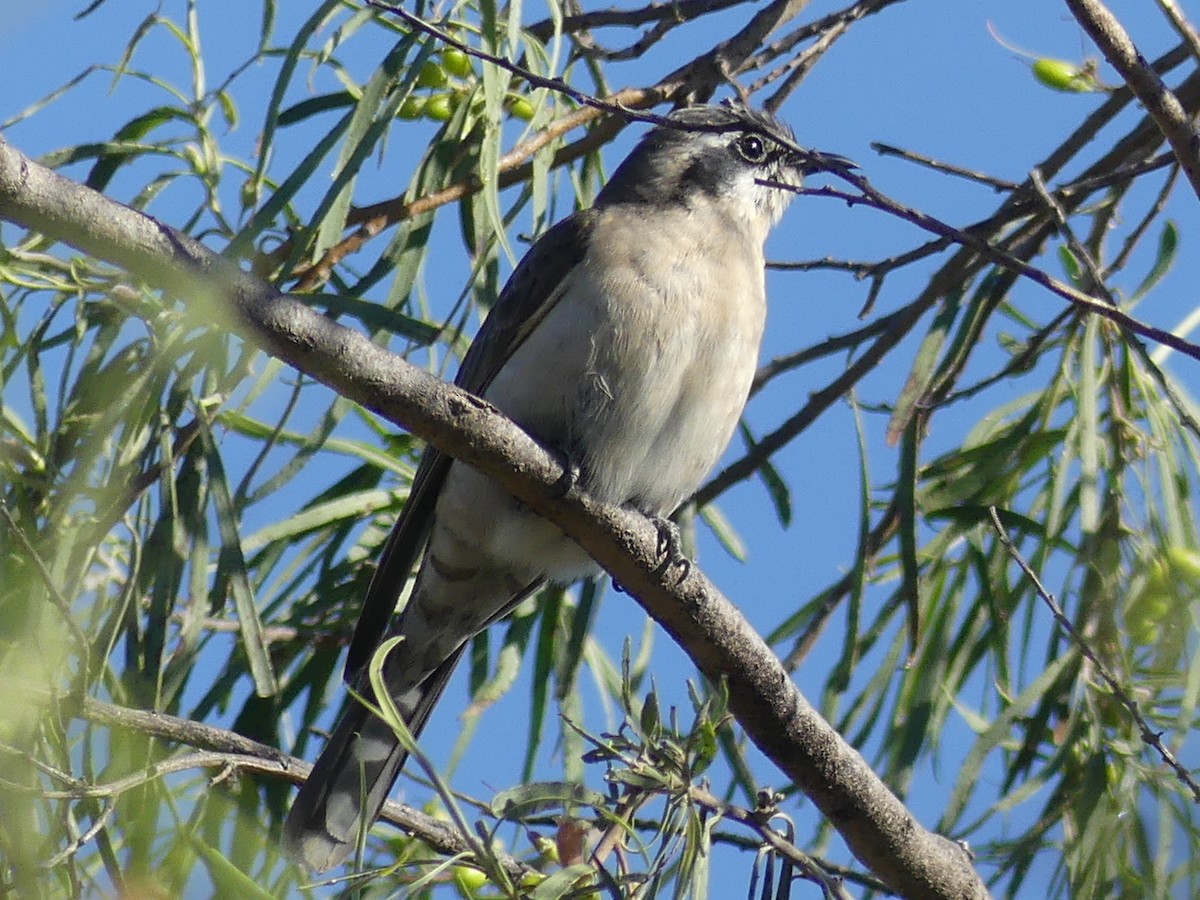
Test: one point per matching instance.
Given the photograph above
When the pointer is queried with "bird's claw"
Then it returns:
(569, 477)
(670, 547)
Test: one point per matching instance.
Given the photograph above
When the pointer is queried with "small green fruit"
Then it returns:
(520, 108)
(530, 880)
(1185, 567)
(457, 63)
(432, 75)
(412, 108)
(1147, 609)
(1067, 76)
(439, 107)
(469, 881)
(250, 193)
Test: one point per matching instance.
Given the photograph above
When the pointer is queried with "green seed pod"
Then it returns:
(412, 108)
(520, 108)
(432, 75)
(457, 63)
(469, 881)
(439, 107)
(250, 195)
(1067, 76)
(1147, 609)
(1185, 568)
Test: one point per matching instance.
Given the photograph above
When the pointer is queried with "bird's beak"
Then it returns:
(812, 161)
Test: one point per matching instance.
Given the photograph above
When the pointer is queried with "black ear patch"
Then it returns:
(713, 169)
(704, 173)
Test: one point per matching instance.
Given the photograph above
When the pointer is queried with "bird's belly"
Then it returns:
(665, 384)
(641, 388)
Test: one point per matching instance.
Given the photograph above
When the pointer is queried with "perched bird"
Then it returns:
(626, 338)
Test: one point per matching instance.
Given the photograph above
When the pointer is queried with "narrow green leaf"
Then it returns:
(1071, 266)
(351, 507)
(228, 880)
(267, 214)
(372, 117)
(562, 883)
(296, 51)
(379, 318)
(234, 566)
(906, 505)
(579, 626)
(1087, 428)
(839, 678)
(494, 82)
(312, 106)
(724, 531)
(924, 366)
(534, 798)
(131, 133)
(1168, 244)
(543, 671)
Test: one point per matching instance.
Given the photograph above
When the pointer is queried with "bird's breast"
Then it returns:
(641, 370)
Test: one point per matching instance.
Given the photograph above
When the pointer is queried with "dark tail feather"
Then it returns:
(351, 780)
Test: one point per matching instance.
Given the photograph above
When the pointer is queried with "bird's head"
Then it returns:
(714, 158)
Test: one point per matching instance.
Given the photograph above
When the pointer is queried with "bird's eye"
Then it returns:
(752, 148)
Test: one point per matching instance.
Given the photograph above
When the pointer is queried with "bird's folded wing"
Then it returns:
(531, 292)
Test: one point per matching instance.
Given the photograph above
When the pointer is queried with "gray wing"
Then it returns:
(531, 292)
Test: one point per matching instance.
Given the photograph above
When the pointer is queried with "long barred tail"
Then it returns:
(352, 778)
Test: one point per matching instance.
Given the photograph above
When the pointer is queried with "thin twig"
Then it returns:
(828, 347)
(1139, 230)
(871, 197)
(795, 69)
(77, 790)
(1162, 104)
(937, 165)
(760, 822)
(83, 838)
(1021, 362)
(1149, 735)
(1058, 215)
(1181, 25)
(274, 634)
(643, 15)
(225, 748)
(835, 20)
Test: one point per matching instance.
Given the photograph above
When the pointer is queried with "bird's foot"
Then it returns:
(570, 475)
(670, 547)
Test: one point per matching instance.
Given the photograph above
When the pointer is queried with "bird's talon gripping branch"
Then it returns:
(670, 547)
(570, 475)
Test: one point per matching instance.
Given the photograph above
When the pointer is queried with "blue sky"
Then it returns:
(925, 75)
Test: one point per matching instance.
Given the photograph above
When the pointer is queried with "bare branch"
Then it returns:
(1118, 48)
(1181, 25)
(226, 748)
(871, 197)
(679, 10)
(937, 165)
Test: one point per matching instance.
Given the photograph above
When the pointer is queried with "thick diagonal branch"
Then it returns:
(874, 823)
